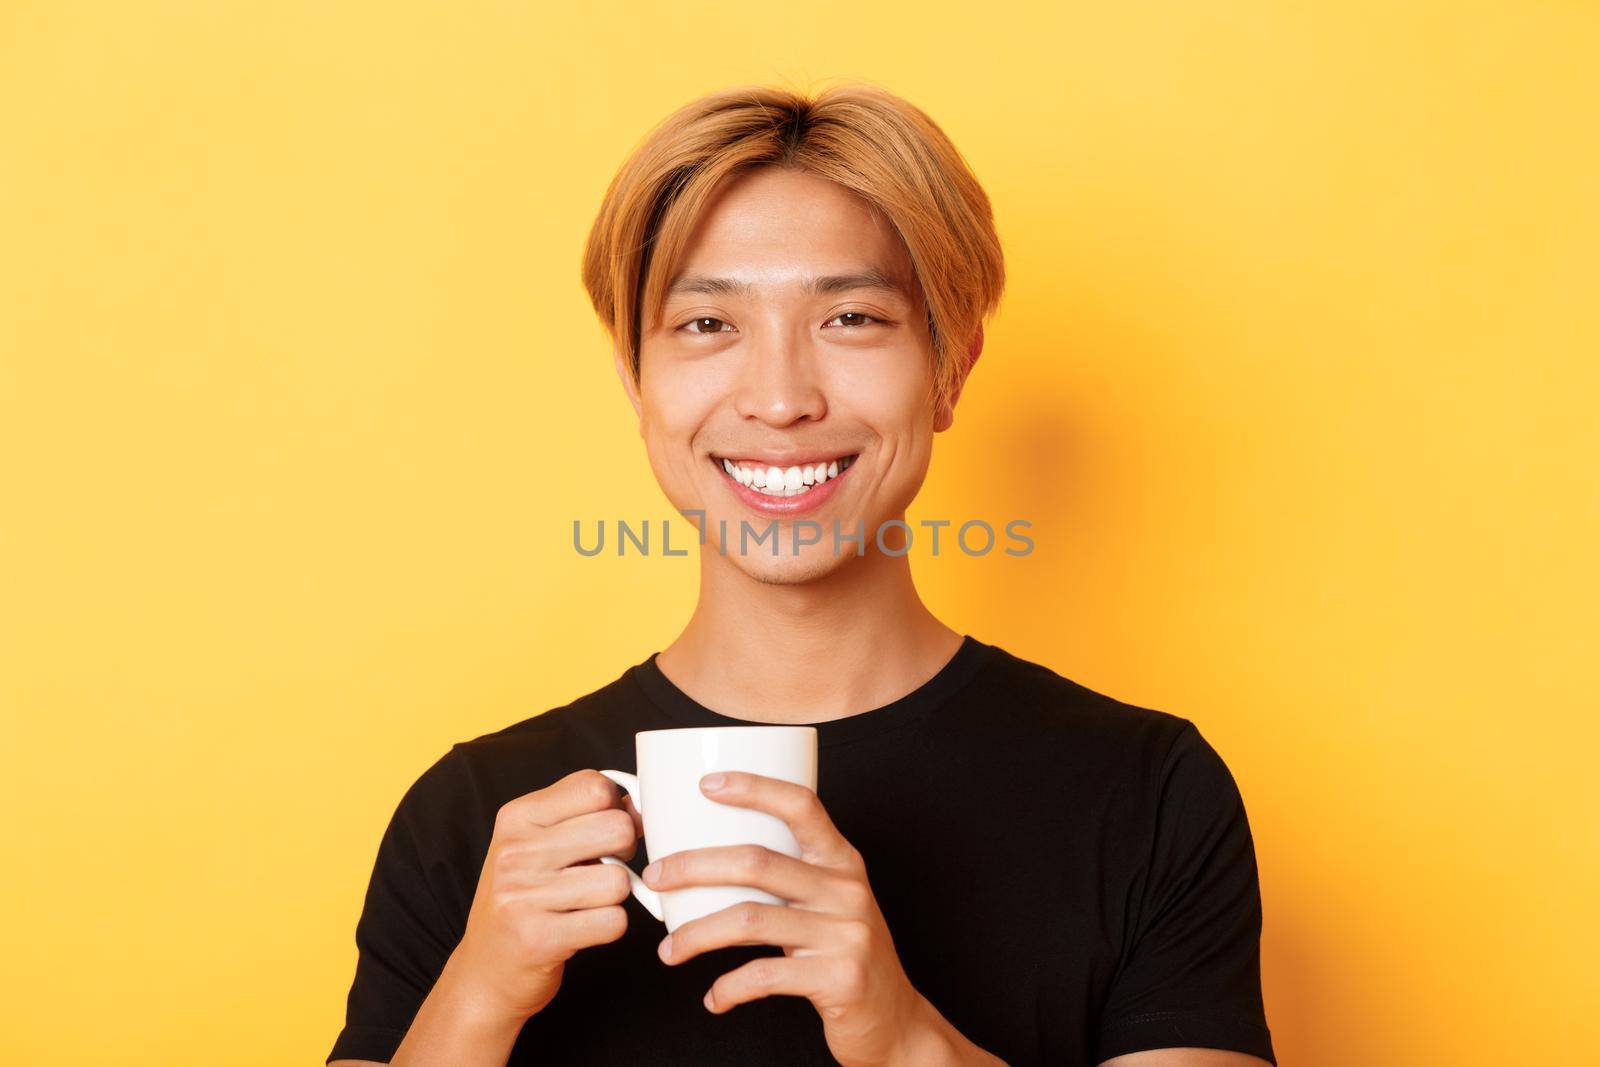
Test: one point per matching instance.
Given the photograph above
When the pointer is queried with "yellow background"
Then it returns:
(1295, 376)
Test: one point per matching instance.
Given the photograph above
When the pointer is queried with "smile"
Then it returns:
(778, 482)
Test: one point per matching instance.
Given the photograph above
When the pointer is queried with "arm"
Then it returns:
(934, 1042)
(419, 1002)
(458, 1026)
(1185, 1057)
(1188, 991)
(452, 1028)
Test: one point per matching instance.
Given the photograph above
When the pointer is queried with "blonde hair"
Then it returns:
(856, 134)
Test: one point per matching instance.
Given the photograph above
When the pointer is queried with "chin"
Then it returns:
(814, 564)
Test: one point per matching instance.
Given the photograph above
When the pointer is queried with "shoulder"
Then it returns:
(594, 730)
(1143, 775)
(477, 775)
(443, 824)
(1039, 703)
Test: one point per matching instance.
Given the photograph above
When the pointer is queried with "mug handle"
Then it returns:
(641, 892)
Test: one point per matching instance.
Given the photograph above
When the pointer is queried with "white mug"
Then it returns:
(678, 815)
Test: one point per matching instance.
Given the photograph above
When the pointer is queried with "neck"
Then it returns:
(812, 651)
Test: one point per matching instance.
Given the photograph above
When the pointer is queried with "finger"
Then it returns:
(798, 806)
(759, 867)
(586, 837)
(633, 813)
(638, 831)
(749, 923)
(576, 794)
(572, 930)
(817, 978)
(583, 886)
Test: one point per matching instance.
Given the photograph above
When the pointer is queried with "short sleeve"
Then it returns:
(1191, 974)
(415, 910)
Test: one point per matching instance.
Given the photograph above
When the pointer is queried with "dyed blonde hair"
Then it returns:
(856, 134)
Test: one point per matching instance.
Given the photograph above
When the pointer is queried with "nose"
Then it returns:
(779, 382)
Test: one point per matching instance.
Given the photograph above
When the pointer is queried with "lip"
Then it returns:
(781, 460)
(782, 506)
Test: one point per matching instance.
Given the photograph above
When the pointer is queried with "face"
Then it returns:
(786, 384)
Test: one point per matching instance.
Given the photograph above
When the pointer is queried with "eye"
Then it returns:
(855, 315)
(707, 324)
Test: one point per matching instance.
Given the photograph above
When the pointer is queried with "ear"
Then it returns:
(945, 417)
(629, 386)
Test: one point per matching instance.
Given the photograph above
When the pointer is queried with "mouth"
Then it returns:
(784, 486)
(790, 480)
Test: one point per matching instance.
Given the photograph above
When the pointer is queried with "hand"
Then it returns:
(837, 950)
(542, 895)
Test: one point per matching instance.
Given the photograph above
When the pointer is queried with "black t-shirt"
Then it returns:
(1066, 878)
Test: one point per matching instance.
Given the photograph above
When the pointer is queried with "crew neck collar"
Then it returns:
(912, 707)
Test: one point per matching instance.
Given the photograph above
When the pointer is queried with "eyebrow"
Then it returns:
(867, 278)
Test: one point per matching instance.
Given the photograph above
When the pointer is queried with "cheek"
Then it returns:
(891, 396)
(674, 406)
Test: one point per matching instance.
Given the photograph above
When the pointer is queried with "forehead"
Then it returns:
(776, 228)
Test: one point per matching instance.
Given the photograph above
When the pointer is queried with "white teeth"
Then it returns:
(790, 481)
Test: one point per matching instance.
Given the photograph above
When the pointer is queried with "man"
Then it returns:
(998, 865)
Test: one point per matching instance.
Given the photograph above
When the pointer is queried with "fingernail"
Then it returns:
(664, 950)
(713, 781)
(652, 872)
(707, 1001)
